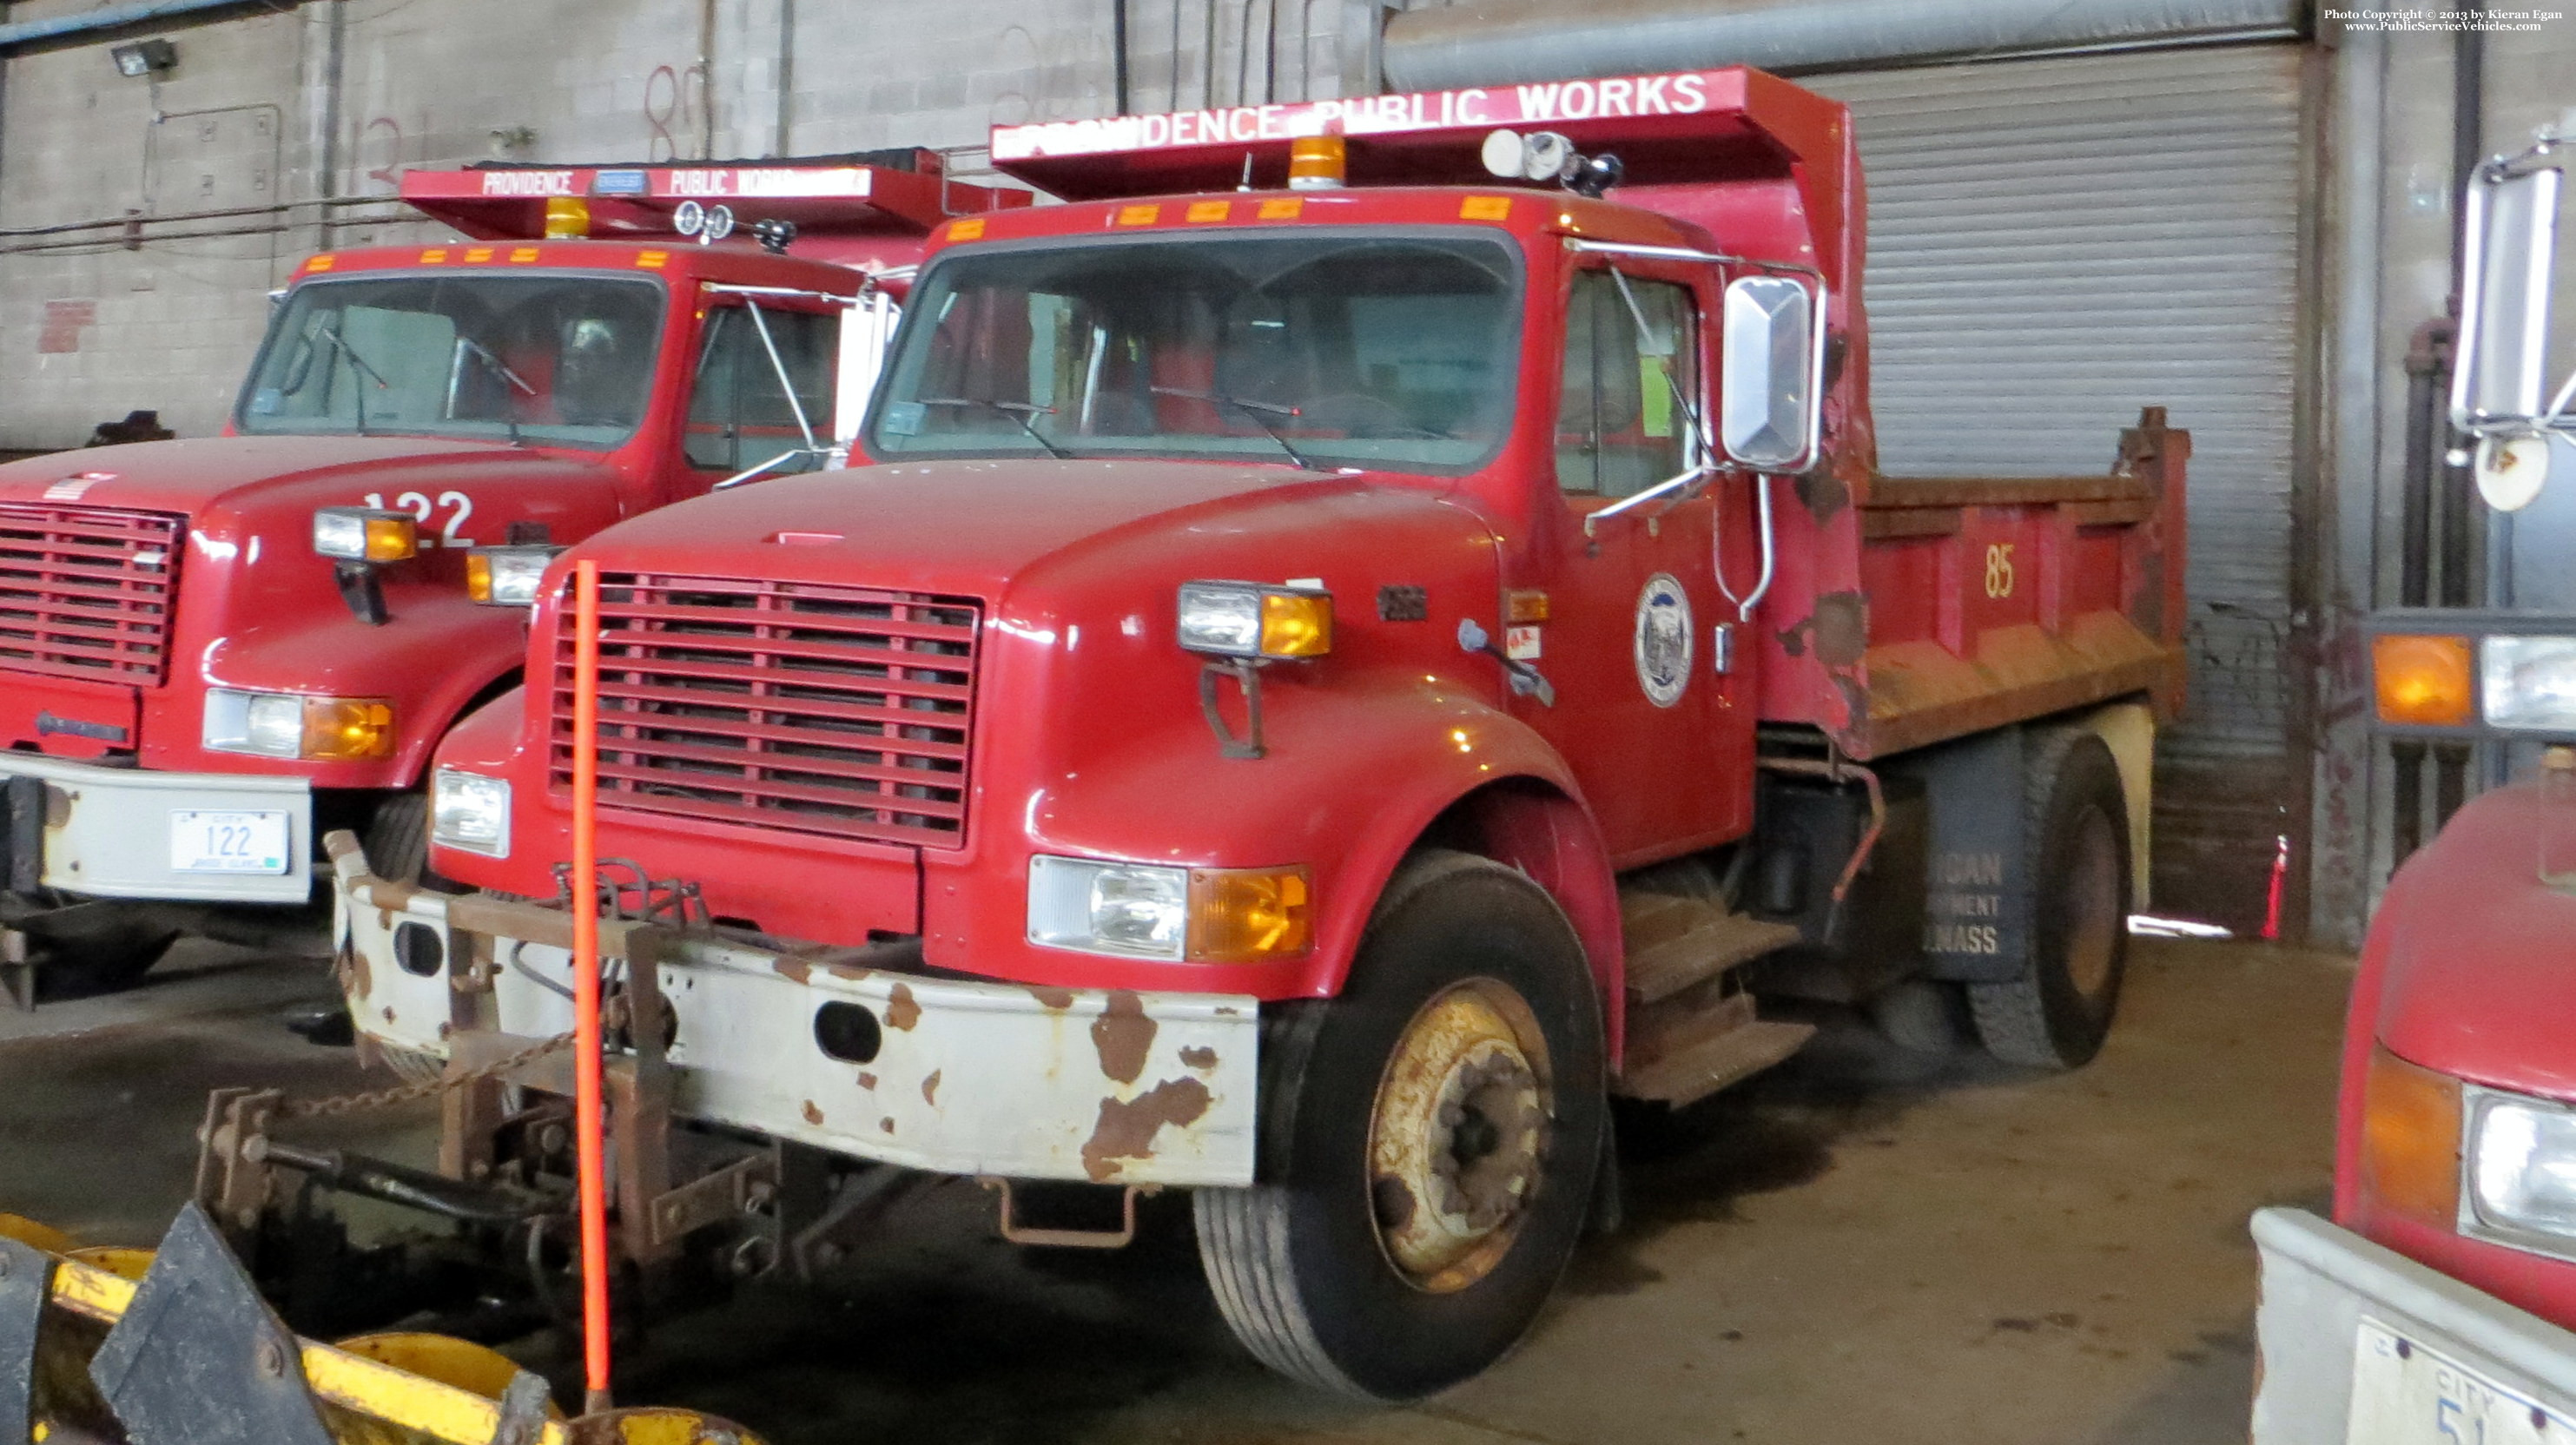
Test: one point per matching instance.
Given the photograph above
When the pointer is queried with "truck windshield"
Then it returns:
(564, 360)
(1336, 348)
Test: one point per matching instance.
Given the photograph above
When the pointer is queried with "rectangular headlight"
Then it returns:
(266, 724)
(365, 534)
(1146, 910)
(2522, 1165)
(2529, 682)
(292, 725)
(1248, 619)
(506, 576)
(1132, 910)
(470, 811)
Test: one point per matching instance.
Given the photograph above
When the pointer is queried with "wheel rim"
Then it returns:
(1457, 1136)
(2093, 921)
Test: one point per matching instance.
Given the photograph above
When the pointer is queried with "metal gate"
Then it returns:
(2054, 243)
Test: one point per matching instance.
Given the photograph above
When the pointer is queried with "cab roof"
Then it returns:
(678, 262)
(1528, 214)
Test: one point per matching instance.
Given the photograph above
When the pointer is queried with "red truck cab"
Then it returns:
(1317, 688)
(189, 695)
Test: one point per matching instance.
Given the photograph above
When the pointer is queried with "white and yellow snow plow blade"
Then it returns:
(175, 1347)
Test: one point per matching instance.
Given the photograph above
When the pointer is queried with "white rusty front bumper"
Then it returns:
(971, 1078)
(2327, 1293)
(107, 830)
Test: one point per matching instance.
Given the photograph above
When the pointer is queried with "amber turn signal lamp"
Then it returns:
(1317, 162)
(344, 729)
(2428, 681)
(2410, 1140)
(1249, 915)
(1296, 624)
(567, 218)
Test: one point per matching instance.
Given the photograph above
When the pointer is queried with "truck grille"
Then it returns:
(836, 710)
(86, 592)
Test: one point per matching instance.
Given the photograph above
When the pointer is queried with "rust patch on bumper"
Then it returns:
(1199, 1058)
(930, 1089)
(1127, 1127)
(1123, 1035)
(813, 1114)
(1058, 999)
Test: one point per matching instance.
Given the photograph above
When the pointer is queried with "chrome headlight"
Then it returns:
(2522, 1168)
(470, 811)
(1133, 910)
(2529, 682)
(1247, 619)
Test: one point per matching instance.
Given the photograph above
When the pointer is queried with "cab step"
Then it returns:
(1676, 943)
(1698, 1056)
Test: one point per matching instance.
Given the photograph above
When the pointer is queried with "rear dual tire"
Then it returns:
(1429, 1143)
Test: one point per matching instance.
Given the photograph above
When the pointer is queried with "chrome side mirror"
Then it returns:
(2512, 239)
(1768, 413)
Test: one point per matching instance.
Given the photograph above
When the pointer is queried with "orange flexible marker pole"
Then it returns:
(589, 1113)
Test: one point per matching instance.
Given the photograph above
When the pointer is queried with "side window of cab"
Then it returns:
(1620, 426)
(739, 414)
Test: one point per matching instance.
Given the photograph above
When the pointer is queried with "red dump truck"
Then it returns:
(1371, 630)
(189, 696)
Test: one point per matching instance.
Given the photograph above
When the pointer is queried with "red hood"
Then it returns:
(2481, 972)
(967, 527)
(187, 476)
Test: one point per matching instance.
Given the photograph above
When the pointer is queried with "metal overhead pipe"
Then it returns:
(1487, 42)
(112, 17)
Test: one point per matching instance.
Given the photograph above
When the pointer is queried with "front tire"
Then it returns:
(1430, 1140)
(2076, 828)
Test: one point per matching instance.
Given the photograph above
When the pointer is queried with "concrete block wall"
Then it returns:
(337, 97)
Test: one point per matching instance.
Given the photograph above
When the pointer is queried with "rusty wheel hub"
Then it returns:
(1458, 1135)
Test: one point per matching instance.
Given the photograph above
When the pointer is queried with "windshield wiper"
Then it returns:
(1023, 412)
(1252, 409)
(357, 364)
(501, 369)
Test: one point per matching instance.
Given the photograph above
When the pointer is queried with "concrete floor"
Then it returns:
(1866, 1242)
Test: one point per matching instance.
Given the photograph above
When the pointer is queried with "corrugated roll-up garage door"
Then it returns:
(2054, 243)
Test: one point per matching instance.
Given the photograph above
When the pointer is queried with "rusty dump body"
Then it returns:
(1986, 601)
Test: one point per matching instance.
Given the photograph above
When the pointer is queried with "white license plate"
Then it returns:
(225, 842)
(2405, 1394)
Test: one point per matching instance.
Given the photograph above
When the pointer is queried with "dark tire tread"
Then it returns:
(2012, 1017)
(1244, 1235)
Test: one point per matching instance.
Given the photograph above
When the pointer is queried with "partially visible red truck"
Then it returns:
(2439, 1305)
(189, 696)
(1353, 647)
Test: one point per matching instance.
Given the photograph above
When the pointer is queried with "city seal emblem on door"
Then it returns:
(1663, 640)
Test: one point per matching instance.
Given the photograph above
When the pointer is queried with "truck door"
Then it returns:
(1634, 639)
(740, 415)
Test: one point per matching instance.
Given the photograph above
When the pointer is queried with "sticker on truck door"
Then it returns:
(1663, 645)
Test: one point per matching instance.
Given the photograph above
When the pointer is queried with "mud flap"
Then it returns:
(199, 1359)
(1976, 897)
(26, 1277)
